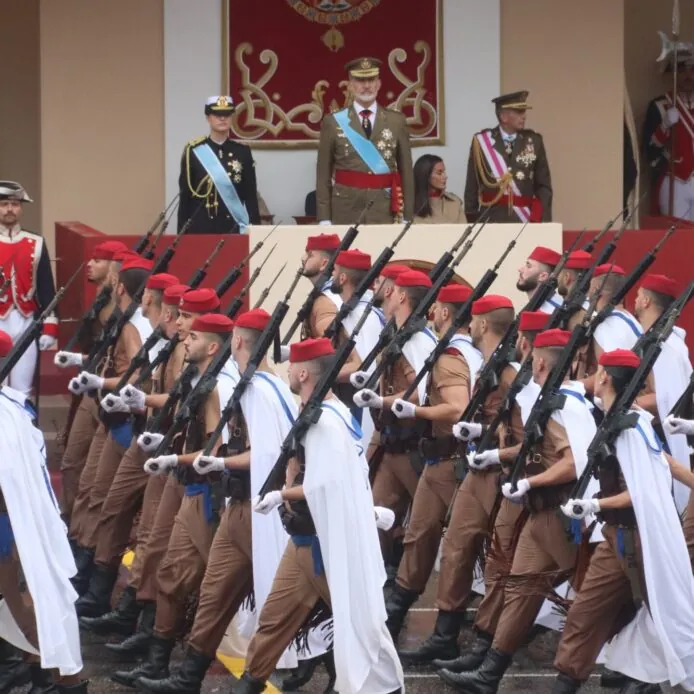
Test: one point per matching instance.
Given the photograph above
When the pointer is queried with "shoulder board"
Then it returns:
(392, 111)
(452, 196)
(528, 131)
(196, 141)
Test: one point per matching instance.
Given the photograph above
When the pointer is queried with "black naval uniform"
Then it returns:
(195, 188)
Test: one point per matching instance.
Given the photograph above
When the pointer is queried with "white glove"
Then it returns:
(90, 381)
(204, 464)
(133, 398)
(522, 488)
(675, 425)
(672, 116)
(359, 378)
(75, 387)
(64, 359)
(47, 342)
(598, 403)
(284, 353)
(403, 409)
(384, 518)
(149, 442)
(483, 460)
(467, 431)
(112, 403)
(580, 508)
(160, 464)
(368, 398)
(268, 503)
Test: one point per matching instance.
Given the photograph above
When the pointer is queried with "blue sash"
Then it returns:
(225, 187)
(363, 147)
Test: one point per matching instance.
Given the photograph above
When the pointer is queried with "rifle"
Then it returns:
(201, 273)
(237, 304)
(365, 283)
(88, 319)
(144, 241)
(31, 334)
(461, 317)
(324, 276)
(225, 285)
(312, 409)
(620, 417)
(264, 294)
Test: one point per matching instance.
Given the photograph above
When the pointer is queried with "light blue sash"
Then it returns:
(223, 184)
(363, 147)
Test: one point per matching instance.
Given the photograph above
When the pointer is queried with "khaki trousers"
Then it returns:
(604, 594)
(84, 426)
(183, 566)
(429, 508)
(542, 554)
(158, 539)
(464, 538)
(497, 566)
(228, 578)
(295, 591)
(688, 528)
(120, 507)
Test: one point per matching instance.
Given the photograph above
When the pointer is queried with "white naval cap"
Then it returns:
(221, 105)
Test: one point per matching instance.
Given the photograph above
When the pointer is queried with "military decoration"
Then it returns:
(527, 157)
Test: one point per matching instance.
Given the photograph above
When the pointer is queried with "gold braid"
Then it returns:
(196, 191)
(503, 184)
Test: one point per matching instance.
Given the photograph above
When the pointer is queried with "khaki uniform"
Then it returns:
(526, 161)
(322, 313)
(450, 383)
(688, 528)
(445, 209)
(343, 204)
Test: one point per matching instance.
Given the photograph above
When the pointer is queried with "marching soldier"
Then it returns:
(364, 156)
(24, 259)
(508, 168)
(219, 174)
(536, 269)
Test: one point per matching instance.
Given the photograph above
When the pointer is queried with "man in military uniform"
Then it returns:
(364, 156)
(219, 175)
(24, 259)
(508, 169)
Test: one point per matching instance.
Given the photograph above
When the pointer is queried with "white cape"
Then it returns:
(658, 644)
(671, 373)
(338, 493)
(463, 345)
(416, 350)
(619, 330)
(40, 537)
(142, 324)
(552, 304)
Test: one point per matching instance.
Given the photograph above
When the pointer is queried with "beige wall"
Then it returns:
(570, 56)
(20, 136)
(102, 116)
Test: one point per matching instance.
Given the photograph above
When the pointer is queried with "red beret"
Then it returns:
(619, 357)
(5, 344)
(579, 260)
(454, 294)
(608, 267)
(661, 284)
(173, 294)
(311, 349)
(137, 263)
(491, 302)
(212, 323)
(353, 260)
(123, 255)
(199, 301)
(533, 320)
(391, 272)
(162, 280)
(255, 319)
(108, 249)
(553, 338)
(544, 255)
(323, 242)
(413, 278)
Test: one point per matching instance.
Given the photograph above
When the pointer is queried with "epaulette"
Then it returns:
(529, 131)
(196, 141)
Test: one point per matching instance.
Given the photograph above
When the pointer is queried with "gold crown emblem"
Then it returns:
(222, 102)
(365, 64)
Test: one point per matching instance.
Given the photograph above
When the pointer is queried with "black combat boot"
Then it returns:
(122, 620)
(156, 667)
(565, 684)
(471, 658)
(303, 674)
(248, 685)
(41, 680)
(97, 600)
(636, 687)
(611, 679)
(79, 688)
(14, 672)
(443, 643)
(186, 680)
(137, 644)
(398, 603)
(84, 561)
(484, 680)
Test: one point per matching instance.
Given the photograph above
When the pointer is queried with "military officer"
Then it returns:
(508, 168)
(364, 156)
(218, 174)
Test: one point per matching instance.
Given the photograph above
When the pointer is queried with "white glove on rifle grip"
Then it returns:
(64, 359)
(205, 464)
(467, 431)
(676, 425)
(580, 508)
(149, 441)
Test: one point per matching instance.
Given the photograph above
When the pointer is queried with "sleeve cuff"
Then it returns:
(50, 327)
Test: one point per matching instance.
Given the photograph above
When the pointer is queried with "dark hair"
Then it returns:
(422, 173)
(620, 375)
(415, 295)
(133, 280)
(662, 301)
(157, 296)
(355, 276)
